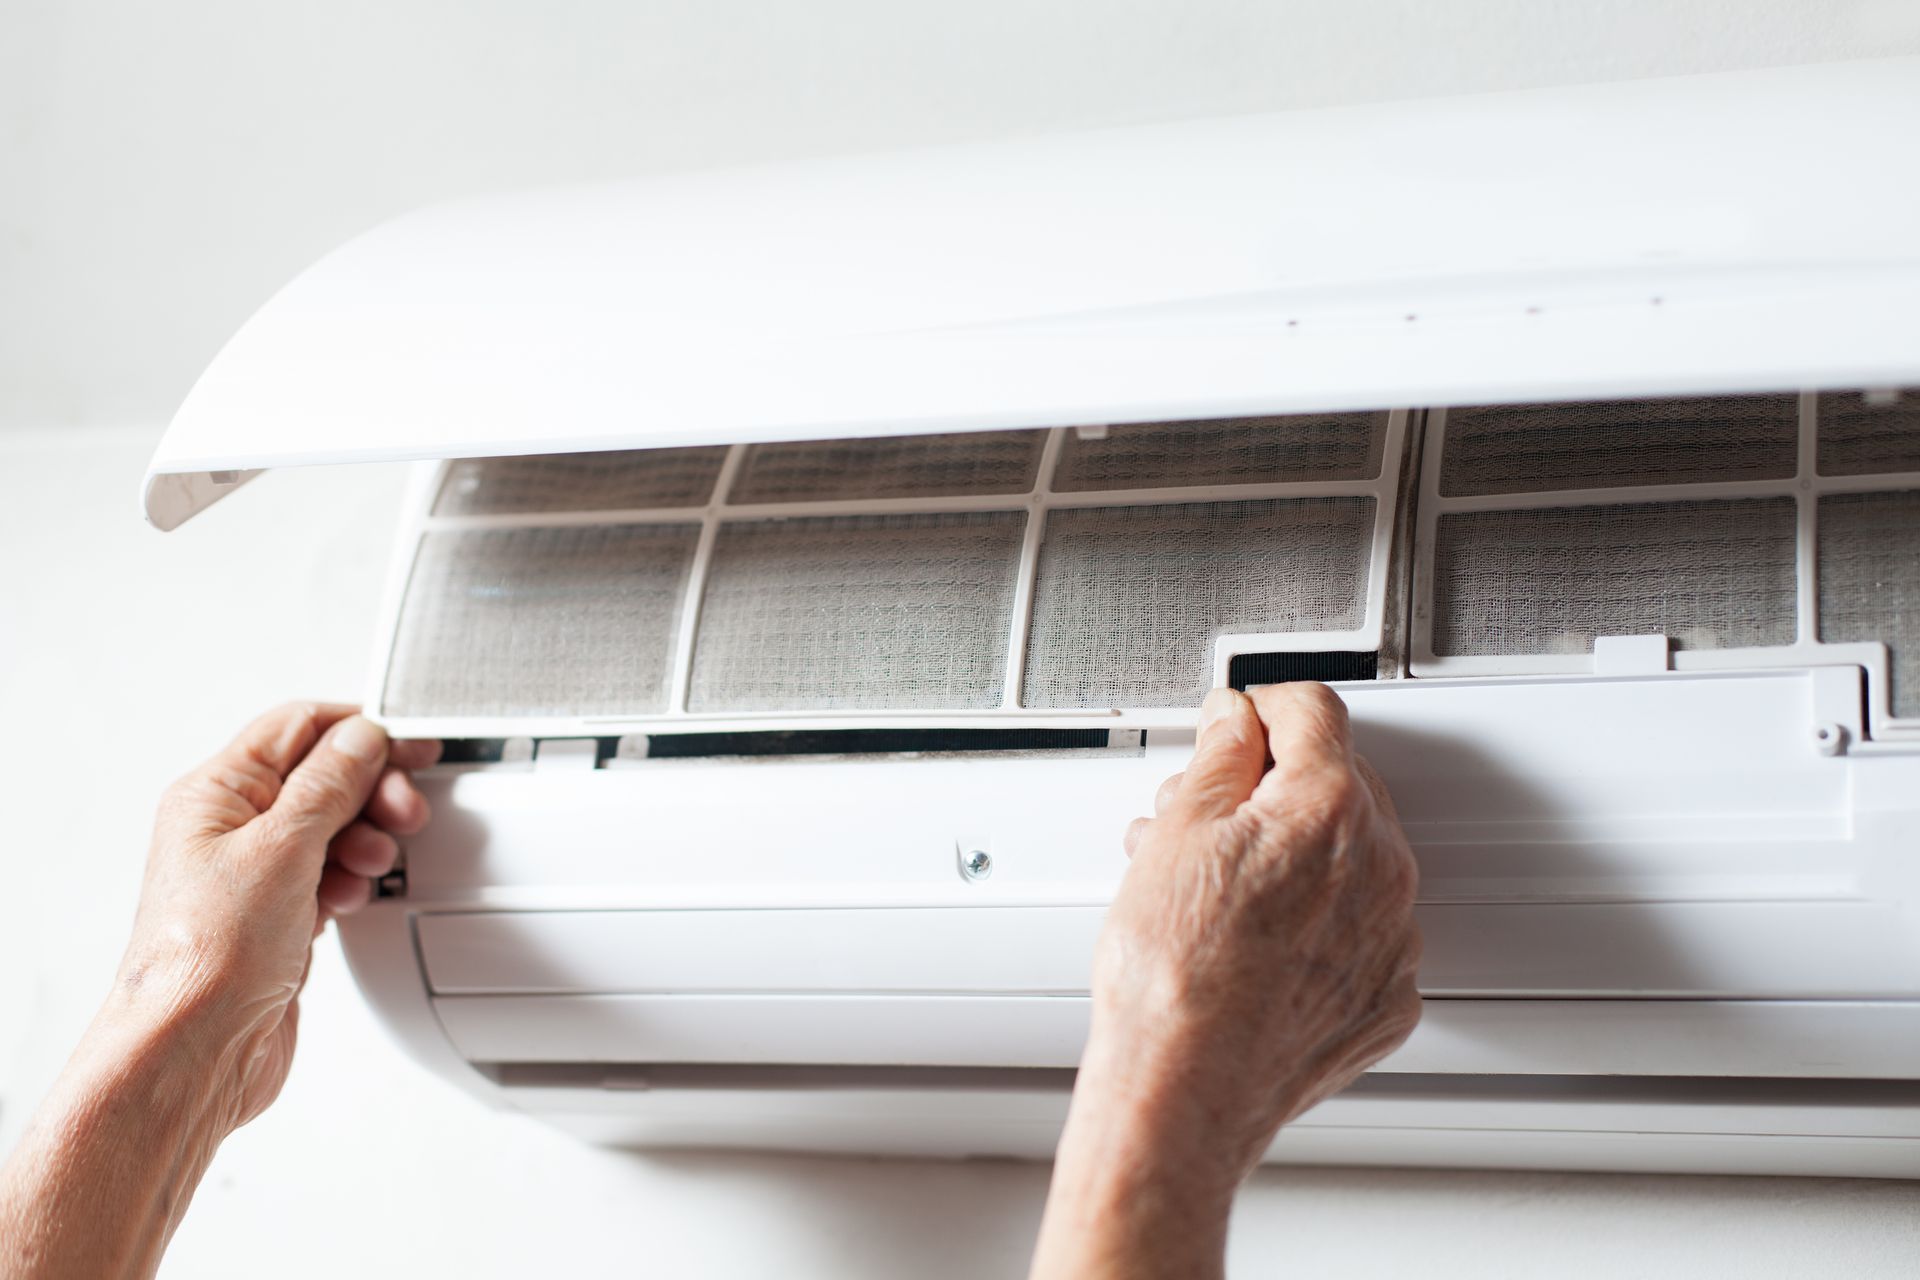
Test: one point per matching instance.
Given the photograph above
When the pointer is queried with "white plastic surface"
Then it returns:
(1650, 237)
(1654, 876)
(1778, 1130)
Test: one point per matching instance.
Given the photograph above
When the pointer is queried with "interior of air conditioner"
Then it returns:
(1051, 578)
(775, 774)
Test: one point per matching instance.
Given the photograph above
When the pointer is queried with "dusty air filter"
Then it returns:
(990, 570)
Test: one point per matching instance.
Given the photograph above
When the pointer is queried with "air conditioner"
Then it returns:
(811, 569)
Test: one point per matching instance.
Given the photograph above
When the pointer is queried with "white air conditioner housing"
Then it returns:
(811, 570)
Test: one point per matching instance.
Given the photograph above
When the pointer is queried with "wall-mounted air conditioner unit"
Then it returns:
(812, 569)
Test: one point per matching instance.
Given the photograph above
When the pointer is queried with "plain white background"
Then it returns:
(164, 168)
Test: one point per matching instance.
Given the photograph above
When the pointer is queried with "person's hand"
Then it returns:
(252, 853)
(1258, 956)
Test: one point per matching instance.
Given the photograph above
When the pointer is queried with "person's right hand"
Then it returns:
(1258, 956)
(252, 853)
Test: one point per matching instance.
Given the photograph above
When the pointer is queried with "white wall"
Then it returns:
(125, 655)
(162, 168)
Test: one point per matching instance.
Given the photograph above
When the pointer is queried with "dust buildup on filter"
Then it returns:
(1712, 575)
(857, 612)
(983, 462)
(566, 621)
(1128, 601)
(1226, 451)
(638, 478)
(1870, 581)
(1532, 448)
(1868, 433)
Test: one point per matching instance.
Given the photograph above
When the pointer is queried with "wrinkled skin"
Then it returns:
(252, 853)
(1259, 955)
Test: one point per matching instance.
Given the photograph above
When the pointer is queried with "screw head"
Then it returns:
(976, 864)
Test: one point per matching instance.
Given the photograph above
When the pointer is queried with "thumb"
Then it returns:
(332, 783)
(1228, 759)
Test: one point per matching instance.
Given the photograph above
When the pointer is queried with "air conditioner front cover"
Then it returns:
(1592, 242)
(811, 569)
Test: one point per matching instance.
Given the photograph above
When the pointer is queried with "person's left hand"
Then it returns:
(252, 853)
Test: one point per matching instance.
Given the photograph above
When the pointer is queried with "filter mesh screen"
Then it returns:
(580, 482)
(891, 467)
(857, 612)
(1858, 437)
(1870, 581)
(541, 621)
(1712, 575)
(1529, 448)
(1274, 450)
(1129, 600)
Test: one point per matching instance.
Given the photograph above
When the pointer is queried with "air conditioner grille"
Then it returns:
(562, 621)
(1710, 574)
(857, 612)
(1274, 450)
(1870, 581)
(1128, 600)
(1861, 435)
(988, 462)
(1531, 448)
(580, 482)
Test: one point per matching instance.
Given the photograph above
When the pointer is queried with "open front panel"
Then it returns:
(1021, 572)
(1046, 575)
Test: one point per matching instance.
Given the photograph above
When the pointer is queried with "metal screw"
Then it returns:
(976, 864)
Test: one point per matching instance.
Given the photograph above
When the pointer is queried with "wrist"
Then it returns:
(1156, 1125)
(168, 1032)
(1140, 1188)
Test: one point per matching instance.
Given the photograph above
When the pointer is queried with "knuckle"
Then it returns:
(300, 711)
(1320, 698)
(318, 792)
(1339, 791)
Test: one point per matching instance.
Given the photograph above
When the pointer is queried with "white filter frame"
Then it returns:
(1806, 486)
(424, 487)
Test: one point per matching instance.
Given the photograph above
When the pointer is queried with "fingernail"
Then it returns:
(360, 738)
(1217, 705)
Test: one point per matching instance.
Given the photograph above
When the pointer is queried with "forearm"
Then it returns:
(1138, 1193)
(108, 1163)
